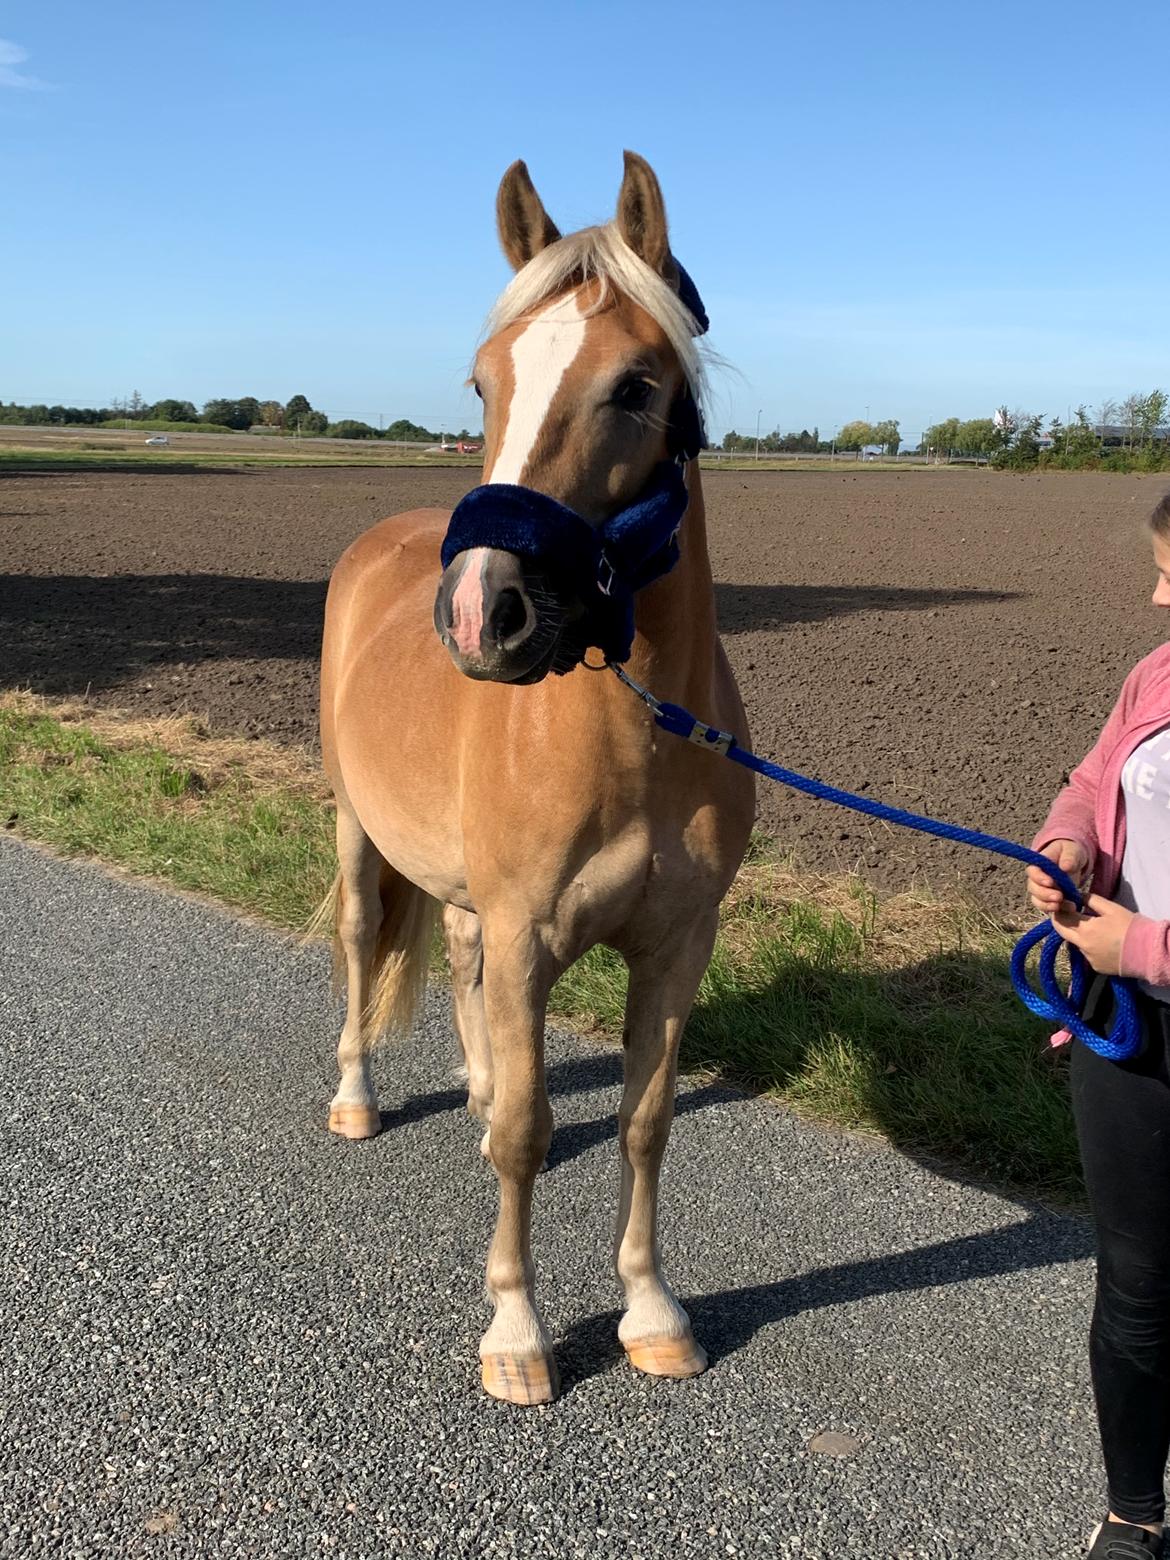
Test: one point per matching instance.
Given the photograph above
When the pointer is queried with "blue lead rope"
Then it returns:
(1054, 1005)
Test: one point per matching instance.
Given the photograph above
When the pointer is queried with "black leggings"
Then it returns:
(1123, 1122)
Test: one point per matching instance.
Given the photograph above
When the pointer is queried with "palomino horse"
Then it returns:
(543, 813)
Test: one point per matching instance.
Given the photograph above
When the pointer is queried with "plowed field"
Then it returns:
(949, 640)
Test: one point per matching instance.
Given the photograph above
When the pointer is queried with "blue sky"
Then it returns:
(889, 207)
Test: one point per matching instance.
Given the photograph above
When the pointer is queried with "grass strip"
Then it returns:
(17, 462)
(165, 800)
(17, 459)
(892, 1015)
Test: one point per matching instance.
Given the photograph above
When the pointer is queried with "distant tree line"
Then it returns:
(854, 436)
(775, 443)
(296, 416)
(1129, 435)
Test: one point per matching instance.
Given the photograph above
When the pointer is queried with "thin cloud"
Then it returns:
(11, 55)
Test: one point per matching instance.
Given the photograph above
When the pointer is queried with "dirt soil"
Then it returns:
(948, 641)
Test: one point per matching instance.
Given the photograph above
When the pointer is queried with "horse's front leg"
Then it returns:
(515, 1352)
(655, 1330)
(465, 955)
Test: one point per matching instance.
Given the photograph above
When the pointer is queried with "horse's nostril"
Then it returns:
(509, 614)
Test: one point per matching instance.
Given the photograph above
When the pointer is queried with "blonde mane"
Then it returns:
(601, 254)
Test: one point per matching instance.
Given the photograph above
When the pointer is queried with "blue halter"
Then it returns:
(600, 566)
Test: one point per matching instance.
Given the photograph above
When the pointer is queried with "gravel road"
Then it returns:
(227, 1333)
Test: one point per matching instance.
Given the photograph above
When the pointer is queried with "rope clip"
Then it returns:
(644, 694)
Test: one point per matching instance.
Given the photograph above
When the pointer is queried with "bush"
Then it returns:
(174, 411)
(1086, 460)
(1155, 457)
(308, 422)
(349, 429)
(1018, 458)
(161, 425)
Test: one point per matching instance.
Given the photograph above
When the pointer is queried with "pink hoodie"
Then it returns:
(1090, 809)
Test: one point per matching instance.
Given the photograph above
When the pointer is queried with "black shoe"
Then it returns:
(1123, 1541)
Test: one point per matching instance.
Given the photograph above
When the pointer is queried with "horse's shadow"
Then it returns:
(62, 634)
(572, 1076)
(120, 625)
(744, 608)
(575, 1075)
(575, 1138)
(727, 1320)
(954, 1010)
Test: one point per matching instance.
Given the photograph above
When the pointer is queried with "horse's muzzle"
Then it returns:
(498, 624)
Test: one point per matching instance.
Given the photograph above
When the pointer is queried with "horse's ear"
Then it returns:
(641, 216)
(524, 225)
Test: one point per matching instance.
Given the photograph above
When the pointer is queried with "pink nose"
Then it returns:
(486, 618)
(467, 607)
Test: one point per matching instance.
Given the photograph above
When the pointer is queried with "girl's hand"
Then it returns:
(1100, 935)
(1072, 857)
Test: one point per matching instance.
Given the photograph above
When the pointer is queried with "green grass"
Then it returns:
(815, 995)
(164, 425)
(104, 456)
(895, 1016)
(14, 461)
(206, 826)
(843, 463)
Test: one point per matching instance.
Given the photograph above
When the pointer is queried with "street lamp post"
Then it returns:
(759, 414)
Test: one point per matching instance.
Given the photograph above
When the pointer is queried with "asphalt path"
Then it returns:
(226, 1332)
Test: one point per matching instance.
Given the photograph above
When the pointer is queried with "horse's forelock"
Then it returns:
(600, 254)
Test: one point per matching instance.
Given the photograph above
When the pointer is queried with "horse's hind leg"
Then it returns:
(353, 1111)
(465, 952)
(655, 1330)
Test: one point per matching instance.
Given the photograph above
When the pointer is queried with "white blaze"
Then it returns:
(541, 355)
(467, 604)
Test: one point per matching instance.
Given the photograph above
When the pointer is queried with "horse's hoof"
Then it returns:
(677, 1358)
(355, 1121)
(523, 1381)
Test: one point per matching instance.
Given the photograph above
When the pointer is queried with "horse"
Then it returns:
(486, 776)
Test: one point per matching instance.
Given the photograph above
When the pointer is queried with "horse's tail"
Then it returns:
(402, 953)
(402, 956)
(323, 923)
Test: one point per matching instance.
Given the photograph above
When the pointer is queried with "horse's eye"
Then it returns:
(633, 394)
(478, 391)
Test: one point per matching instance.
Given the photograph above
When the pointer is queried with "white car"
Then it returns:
(158, 438)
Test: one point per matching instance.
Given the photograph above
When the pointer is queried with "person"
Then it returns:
(1109, 829)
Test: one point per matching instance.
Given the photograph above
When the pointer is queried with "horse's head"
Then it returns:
(587, 374)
